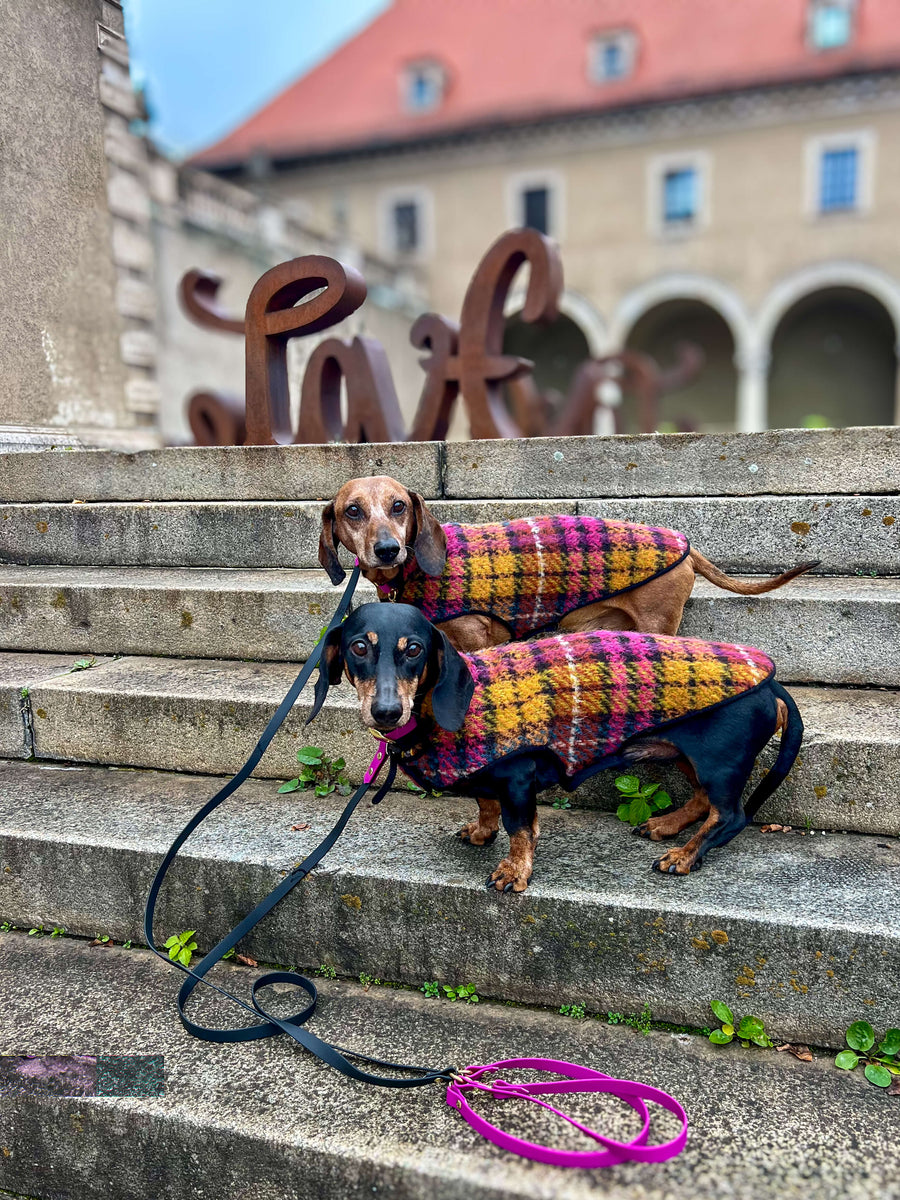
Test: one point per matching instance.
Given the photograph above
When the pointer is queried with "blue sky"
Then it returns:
(208, 64)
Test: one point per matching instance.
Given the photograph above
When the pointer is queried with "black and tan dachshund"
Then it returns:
(508, 722)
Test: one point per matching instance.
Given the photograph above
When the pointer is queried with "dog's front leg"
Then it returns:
(518, 809)
(483, 830)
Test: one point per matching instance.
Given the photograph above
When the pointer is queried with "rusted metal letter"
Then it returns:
(270, 322)
(440, 335)
(216, 418)
(373, 411)
(481, 365)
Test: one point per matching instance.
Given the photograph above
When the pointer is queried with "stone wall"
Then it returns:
(60, 350)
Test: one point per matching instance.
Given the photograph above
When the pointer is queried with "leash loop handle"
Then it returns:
(577, 1079)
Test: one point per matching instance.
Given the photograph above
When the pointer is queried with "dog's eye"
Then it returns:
(398, 507)
(352, 510)
(413, 650)
(359, 648)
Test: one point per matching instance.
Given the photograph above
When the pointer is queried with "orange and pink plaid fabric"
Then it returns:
(582, 695)
(529, 573)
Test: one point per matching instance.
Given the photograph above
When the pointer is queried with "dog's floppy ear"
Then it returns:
(331, 665)
(452, 694)
(429, 541)
(327, 550)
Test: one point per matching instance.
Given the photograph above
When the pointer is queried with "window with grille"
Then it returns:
(830, 24)
(680, 196)
(406, 227)
(536, 209)
(838, 180)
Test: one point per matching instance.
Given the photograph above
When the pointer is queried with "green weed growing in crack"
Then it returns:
(640, 800)
(324, 775)
(880, 1066)
(748, 1029)
(573, 1010)
(181, 947)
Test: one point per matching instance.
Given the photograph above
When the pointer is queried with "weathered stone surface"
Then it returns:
(769, 534)
(200, 534)
(799, 929)
(779, 461)
(19, 672)
(207, 714)
(293, 1128)
(817, 629)
(190, 715)
(216, 472)
(272, 615)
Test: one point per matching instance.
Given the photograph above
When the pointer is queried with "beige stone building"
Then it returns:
(716, 172)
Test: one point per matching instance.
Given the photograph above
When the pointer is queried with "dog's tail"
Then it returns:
(791, 739)
(711, 572)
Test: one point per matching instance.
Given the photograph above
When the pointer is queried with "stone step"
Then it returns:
(799, 929)
(777, 462)
(294, 1129)
(836, 630)
(205, 715)
(849, 534)
(274, 615)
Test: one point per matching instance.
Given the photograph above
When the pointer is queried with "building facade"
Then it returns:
(725, 174)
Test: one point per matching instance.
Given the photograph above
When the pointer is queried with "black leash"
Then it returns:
(268, 1025)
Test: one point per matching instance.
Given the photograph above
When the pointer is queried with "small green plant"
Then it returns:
(879, 1067)
(640, 801)
(465, 991)
(614, 1018)
(24, 693)
(230, 954)
(58, 931)
(38, 931)
(81, 664)
(6, 927)
(368, 980)
(102, 939)
(431, 990)
(325, 775)
(641, 1021)
(573, 1010)
(126, 945)
(181, 946)
(326, 971)
(748, 1029)
(562, 802)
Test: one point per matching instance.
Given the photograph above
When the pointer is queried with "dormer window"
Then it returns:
(830, 23)
(612, 56)
(423, 87)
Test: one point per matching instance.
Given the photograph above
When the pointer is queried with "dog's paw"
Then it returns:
(677, 862)
(509, 877)
(476, 834)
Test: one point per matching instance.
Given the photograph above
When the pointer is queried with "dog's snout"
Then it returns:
(386, 550)
(386, 711)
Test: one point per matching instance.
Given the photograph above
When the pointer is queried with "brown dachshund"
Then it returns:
(638, 580)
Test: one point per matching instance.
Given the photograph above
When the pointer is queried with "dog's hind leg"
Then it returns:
(670, 824)
(716, 830)
(483, 830)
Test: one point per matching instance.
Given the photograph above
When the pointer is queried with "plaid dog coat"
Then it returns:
(530, 573)
(581, 696)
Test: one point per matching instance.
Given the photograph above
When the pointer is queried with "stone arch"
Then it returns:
(578, 309)
(819, 277)
(683, 286)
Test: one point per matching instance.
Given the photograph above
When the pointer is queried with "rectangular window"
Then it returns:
(831, 24)
(536, 209)
(680, 196)
(612, 56)
(838, 180)
(406, 227)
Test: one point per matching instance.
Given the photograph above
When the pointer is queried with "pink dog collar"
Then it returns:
(577, 1079)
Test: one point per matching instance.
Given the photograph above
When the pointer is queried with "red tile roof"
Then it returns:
(515, 60)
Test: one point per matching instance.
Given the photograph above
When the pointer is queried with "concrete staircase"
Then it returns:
(183, 587)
